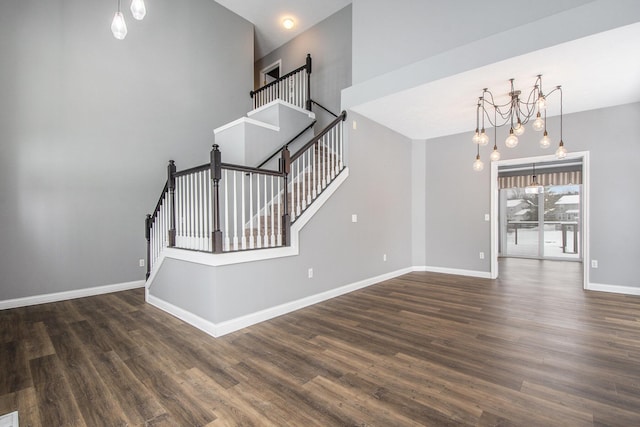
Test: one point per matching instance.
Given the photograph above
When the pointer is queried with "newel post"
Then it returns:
(147, 235)
(285, 163)
(308, 66)
(171, 186)
(216, 176)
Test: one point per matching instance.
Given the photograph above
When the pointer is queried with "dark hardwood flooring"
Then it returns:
(530, 349)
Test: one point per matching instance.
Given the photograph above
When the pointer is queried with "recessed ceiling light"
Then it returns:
(288, 23)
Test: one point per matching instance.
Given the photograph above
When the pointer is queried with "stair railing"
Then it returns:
(220, 207)
(294, 88)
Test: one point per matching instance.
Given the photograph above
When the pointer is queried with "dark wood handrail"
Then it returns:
(249, 169)
(157, 208)
(324, 108)
(286, 144)
(194, 169)
(342, 117)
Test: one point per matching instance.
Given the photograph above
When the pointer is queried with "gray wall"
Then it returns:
(88, 123)
(329, 43)
(339, 251)
(457, 198)
(388, 35)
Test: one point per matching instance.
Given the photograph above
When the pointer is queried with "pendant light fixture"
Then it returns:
(118, 26)
(516, 113)
(534, 187)
(138, 9)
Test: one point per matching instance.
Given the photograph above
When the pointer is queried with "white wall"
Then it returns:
(88, 123)
(457, 197)
(339, 251)
(329, 43)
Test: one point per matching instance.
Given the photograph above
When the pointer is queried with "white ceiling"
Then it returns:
(267, 18)
(598, 71)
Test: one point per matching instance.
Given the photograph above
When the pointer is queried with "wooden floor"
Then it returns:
(531, 348)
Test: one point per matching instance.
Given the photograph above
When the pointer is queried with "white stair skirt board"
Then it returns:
(9, 420)
(228, 258)
(226, 327)
(67, 295)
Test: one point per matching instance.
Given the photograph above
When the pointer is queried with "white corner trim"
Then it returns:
(456, 271)
(67, 295)
(226, 327)
(616, 289)
(279, 101)
(215, 260)
(246, 121)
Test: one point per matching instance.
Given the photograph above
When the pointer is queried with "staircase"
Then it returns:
(268, 173)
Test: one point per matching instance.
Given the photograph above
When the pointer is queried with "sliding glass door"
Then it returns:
(541, 222)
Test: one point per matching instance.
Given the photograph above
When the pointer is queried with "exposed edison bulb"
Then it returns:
(561, 152)
(545, 141)
(483, 138)
(495, 154)
(518, 129)
(118, 26)
(138, 9)
(542, 102)
(538, 123)
(476, 137)
(511, 140)
(477, 164)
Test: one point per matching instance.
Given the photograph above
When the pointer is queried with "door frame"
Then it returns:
(584, 225)
(268, 68)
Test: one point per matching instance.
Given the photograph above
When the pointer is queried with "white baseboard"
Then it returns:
(456, 271)
(616, 289)
(232, 325)
(62, 296)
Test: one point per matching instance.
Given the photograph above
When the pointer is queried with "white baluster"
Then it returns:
(251, 237)
(265, 209)
(242, 221)
(227, 242)
(203, 210)
(279, 219)
(301, 160)
(296, 184)
(235, 211)
(258, 230)
(271, 203)
(316, 172)
(334, 157)
(207, 176)
(325, 159)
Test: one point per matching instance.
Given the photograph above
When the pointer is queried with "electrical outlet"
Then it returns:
(481, 255)
(141, 262)
(594, 263)
(355, 125)
(310, 273)
(384, 257)
(487, 217)
(354, 218)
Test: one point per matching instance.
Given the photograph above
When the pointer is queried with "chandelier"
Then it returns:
(119, 26)
(516, 113)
